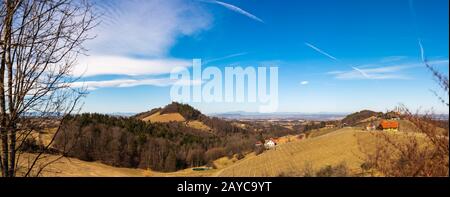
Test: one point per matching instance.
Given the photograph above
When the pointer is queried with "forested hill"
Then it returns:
(186, 114)
(134, 143)
(356, 117)
(187, 111)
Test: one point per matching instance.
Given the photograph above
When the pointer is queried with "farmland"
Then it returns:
(292, 158)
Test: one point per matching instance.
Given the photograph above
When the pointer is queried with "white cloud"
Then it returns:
(115, 65)
(122, 83)
(387, 72)
(382, 72)
(145, 27)
(304, 83)
(139, 28)
(238, 10)
(363, 73)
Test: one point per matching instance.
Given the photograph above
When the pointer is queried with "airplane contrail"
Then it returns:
(321, 51)
(416, 29)
(225, 57)
(362, 72)
(422, 52)
(234, 9)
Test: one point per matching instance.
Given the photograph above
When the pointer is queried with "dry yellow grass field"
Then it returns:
(72, 167)
(176, 117)
(198, 125)
(158, 117)
(320, 132)
(328, 149)
(287, 139)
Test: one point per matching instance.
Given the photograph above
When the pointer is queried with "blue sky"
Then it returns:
(333, 55)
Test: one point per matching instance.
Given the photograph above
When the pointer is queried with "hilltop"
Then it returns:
(177, 112)
(361, 116)
(186, 111)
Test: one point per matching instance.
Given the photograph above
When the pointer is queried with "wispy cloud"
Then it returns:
(237, 10)
(382, 72)
(363, 73)
(138, 28)
(304, 83)
(116, 65)
(146, 27)
(321, 51)
(123, 83)
(373, 73)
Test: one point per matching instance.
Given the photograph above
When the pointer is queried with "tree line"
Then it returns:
(133, 143)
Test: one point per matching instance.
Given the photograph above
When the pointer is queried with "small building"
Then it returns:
(269, 144)
(329, 126)
(371, 127)
(389, 125)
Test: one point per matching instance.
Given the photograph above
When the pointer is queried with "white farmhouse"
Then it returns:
(270, 144)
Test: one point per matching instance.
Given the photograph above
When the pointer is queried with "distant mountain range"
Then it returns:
(122, 114)
(279, 116)
(241, 115)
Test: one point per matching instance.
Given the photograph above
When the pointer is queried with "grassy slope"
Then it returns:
(72, 167)
(176, 117)
(157, 117)
(329, 149)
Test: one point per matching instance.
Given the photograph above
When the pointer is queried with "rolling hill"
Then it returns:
(294, 158)
(358, 117)
(176, 112)
(288, 158)
(166, 139)
(341, 146)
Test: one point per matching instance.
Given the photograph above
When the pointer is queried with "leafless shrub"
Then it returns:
(421, 151)
(340, 170)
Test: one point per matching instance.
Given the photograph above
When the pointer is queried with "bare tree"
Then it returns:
(40, 42)
(423, 150)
